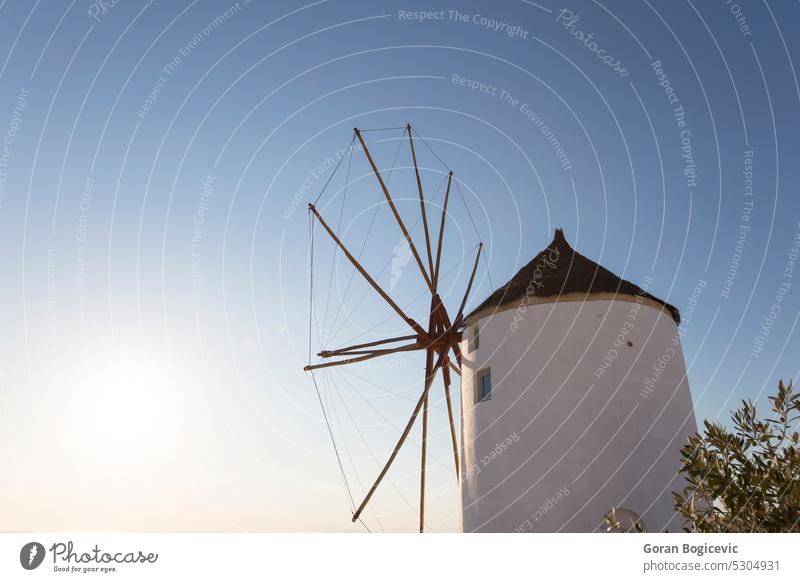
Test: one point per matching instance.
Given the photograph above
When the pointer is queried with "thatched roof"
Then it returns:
(559, 270)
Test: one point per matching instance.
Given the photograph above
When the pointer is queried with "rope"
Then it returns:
(310, 278)
(464, 202)
(338, 229)
(422, 139)
(383, 417)
(486, 262)
(378, 386)
(312, 310)
(364, 244)
(333, 442)
(383, 269)
(383, 128)
(475, 228)
(405, 305)
(332, 405)
(488, 274)
(334, 170)
(338, 393)
(369, 448)
(313, 377)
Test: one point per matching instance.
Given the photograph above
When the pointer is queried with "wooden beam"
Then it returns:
(455, 347)
(435, 320)
(446, 377)
(421, 200)
(422, 469)
(441, 234)
(414, 325)
(428, 367)
(394, 210)
(417, 346)
(368, 356)
(343, 351)
(434, 324)
(453, 367)
(460, 315)
(457, 353)
(406, 431)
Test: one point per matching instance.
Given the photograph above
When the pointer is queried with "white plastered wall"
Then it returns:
(565, 437)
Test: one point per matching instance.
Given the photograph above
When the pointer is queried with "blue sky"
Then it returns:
(155, 236)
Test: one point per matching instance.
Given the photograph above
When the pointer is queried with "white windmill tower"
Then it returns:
(574, 401)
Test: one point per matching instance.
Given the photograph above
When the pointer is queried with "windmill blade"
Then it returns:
(422, 467)
(349, 349)
(441, 233)
(454, 368)
(457, 352)
(446, 377)
(414, 325)
(421, 202)
(460, 315)
(445, 318)
(368, 356)
(406, 431)
(394, 211)
(441, 336)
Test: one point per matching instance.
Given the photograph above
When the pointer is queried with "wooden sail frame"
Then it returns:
(442, 336)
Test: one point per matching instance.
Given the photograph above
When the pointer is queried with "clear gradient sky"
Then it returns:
(156, 164)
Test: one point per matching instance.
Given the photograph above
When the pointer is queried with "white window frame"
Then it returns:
(479, 395)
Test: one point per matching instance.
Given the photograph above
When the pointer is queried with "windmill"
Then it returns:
(439, 340)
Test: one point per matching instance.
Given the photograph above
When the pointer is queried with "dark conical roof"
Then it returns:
(559, 270)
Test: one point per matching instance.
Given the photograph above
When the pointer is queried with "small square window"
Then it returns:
(484, 385)
(474, 338)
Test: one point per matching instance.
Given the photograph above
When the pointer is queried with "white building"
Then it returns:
(574, 401)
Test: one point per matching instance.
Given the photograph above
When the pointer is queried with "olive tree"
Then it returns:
(747, 478)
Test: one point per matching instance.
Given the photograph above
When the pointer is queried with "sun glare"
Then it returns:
(133, 401)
